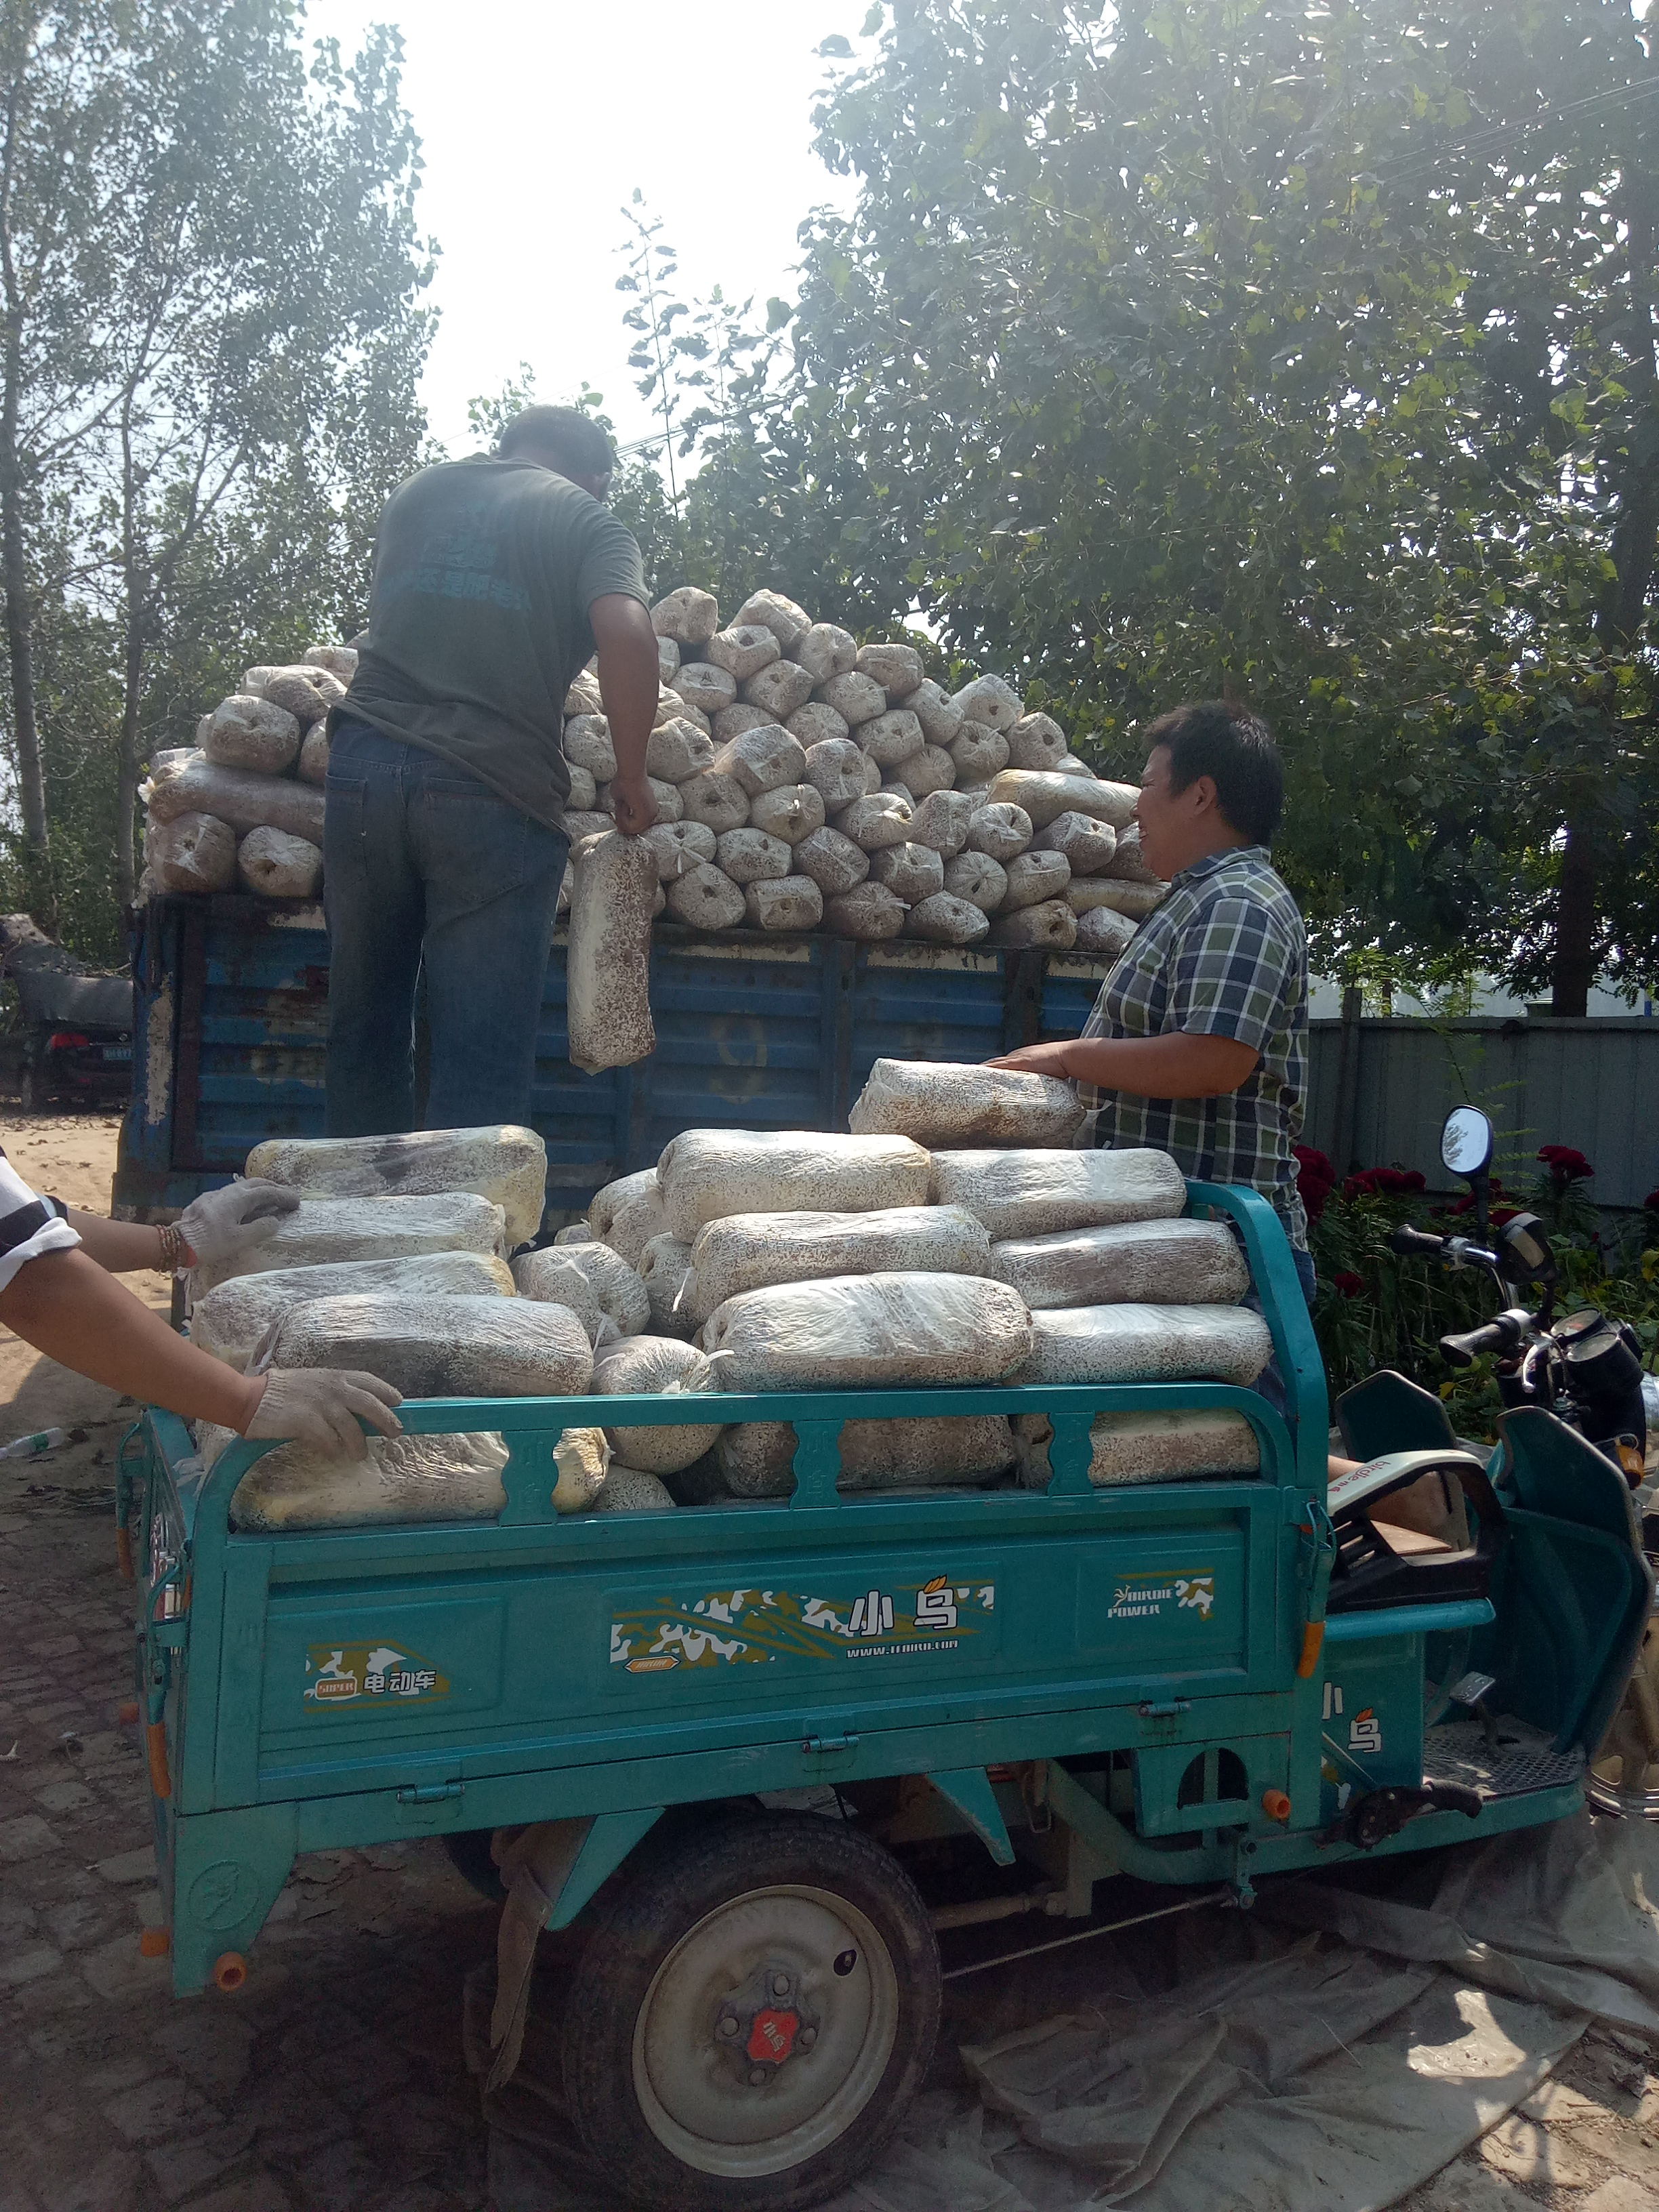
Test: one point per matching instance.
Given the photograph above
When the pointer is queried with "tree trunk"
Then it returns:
(20, 627)
(126, 769)
(14, 561)
(1575, 926)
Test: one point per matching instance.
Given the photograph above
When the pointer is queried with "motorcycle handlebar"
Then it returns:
(1464, 1349)
(1406, 1241)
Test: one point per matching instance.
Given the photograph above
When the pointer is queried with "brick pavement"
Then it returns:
(332, 2083)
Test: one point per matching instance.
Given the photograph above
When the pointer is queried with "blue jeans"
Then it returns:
(1270, 1384)
(423, 866)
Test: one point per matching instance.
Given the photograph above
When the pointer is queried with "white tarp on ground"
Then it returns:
(1325, 2054)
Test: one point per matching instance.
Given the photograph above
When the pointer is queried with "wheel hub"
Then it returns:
(766, 2031)
(762, 2025)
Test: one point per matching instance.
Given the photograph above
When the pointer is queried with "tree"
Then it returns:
(212, 342)
(1304, 350)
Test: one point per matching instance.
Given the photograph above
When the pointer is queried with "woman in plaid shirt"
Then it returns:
(1198, 1043)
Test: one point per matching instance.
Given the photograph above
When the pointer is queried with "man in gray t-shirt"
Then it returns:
(495, 579)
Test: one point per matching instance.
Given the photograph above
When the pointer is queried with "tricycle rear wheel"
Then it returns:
(754, 2009)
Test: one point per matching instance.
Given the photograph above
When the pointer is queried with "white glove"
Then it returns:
(229, 1224)
(318, 1405)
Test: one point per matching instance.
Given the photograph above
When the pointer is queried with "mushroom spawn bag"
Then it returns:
(707, 1174)
(444, 1348)
(1036, 1193)
(939, 1103)
(1179, 1446)
(747, 1251)
(321, 1231)
(657, 1366)
(853, 1331)
(756, 1458)
(1147, 1343)
(501, 1162)
(229, 1321)
(403, 1478)
(1172, 1263)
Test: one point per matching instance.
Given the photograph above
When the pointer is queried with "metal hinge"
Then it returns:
(429, 1793)
(824, 1743)
(1166, 1711)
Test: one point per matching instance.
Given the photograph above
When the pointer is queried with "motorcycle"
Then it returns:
(1577, 1376)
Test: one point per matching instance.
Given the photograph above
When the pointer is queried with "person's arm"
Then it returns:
(1175, 1066)
(629, 685)
(226, 1224)
(64, 1304)
(121, 1248)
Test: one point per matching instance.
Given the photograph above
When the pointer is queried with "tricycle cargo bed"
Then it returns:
(1137, 1678)
(754, 1031)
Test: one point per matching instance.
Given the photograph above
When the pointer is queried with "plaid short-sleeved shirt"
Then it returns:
(1223, 955)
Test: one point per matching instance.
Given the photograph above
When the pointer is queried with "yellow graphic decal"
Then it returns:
(761, 1628)
(370, 1673)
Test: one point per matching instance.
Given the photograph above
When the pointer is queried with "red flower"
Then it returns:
(1566, 1164)
(1384, 1182)
(1349, 1284)
(1315, 1178)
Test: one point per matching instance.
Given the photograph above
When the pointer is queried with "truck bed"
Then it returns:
(754, 1032)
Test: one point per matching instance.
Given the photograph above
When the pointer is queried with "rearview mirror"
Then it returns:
(1466, 1142)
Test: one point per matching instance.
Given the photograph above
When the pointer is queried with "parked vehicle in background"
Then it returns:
(67, 1035)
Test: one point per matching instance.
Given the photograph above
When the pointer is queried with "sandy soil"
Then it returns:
(72, 1156)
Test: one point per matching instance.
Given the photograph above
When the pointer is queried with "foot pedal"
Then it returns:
(1380, 1814)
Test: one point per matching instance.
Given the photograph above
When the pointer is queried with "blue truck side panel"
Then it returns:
(754, 1031)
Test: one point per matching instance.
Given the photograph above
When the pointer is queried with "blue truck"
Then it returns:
(754, 1031)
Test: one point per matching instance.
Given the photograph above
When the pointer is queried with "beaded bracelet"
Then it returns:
(173, 1249)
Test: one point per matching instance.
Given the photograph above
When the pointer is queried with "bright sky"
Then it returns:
(538, 117)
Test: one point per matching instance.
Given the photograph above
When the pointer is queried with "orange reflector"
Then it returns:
(230, 1971)
(127, 1711)
(1276, 1805)
(1313, 1642)
(156, 1743)
(154, 1942)
(124, 1553)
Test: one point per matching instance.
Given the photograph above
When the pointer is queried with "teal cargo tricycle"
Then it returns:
(1197, 1683)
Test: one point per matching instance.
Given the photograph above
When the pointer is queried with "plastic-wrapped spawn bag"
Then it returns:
(1180, 1446)
(403, 1478)
(1036, 1193)
(627, 1213)
(609, 958)
(707, 1174)
(654, 1366)
(939, 1104)
(664, 1265)
(748, 1251)
(322, 1230)
(455, 1347)
(1173, 1263)
(756, 1458)
(853, 1330)
(503, 1162)
(229, 1321)
(1147, 1343)
(597, 1284)
(192, 853)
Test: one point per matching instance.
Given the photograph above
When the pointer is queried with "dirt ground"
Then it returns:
(334, 2081)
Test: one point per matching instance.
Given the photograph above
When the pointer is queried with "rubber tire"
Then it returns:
(468, 1850)
(670, 1887)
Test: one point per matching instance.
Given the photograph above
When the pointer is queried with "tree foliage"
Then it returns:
(1304, 349)
(208, 352)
